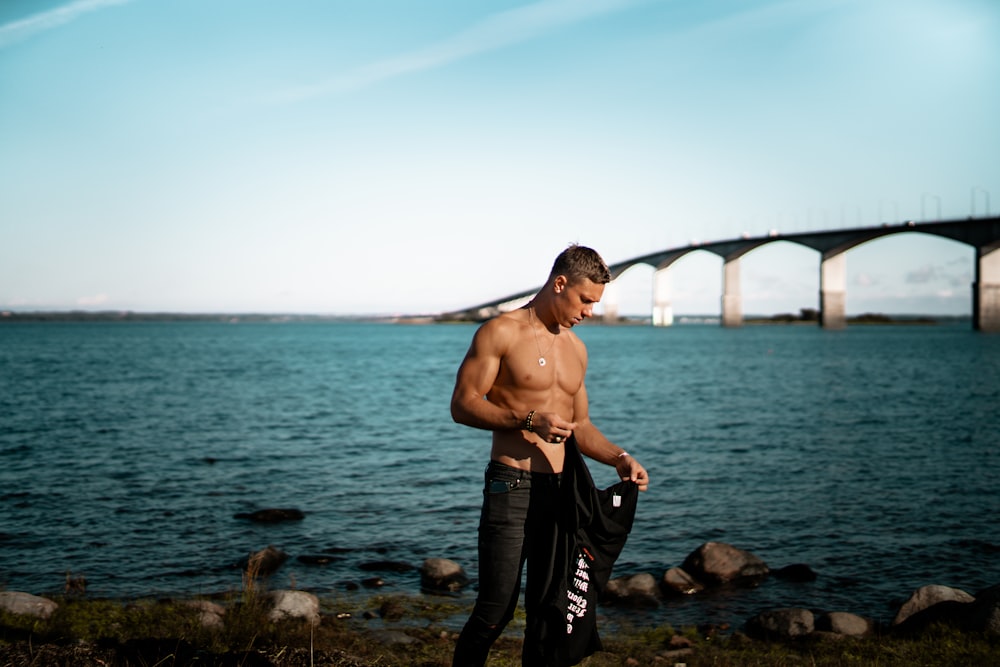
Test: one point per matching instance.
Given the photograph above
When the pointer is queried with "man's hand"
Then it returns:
(630, 469)
(550, 427)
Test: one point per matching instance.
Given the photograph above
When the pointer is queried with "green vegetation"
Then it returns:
(149, 632)
(811, 316)
(132, 316)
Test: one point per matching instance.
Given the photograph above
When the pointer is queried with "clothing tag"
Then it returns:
(616, 500)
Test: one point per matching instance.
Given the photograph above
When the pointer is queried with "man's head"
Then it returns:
(575, 285)
(578, 263)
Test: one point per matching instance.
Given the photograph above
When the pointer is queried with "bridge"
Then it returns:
(983, 234)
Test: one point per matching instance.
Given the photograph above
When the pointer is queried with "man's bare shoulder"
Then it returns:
(501, 330)
(504, 324)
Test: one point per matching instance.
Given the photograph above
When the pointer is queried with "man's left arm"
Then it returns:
(595, 445)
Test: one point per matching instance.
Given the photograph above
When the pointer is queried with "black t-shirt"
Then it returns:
(593, 527)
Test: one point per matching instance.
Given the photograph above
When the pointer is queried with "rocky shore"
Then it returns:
(711, 565)
(716, 564)
(397, 628)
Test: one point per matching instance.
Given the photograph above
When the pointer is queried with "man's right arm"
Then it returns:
(476, 377)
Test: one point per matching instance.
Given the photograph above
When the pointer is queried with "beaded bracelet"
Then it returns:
(527, 422)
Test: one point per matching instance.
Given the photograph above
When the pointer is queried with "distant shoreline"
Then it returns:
(236, 318)
(136, 316)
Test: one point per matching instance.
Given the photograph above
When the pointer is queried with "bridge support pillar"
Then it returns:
(833, 291)
(610, 303)
(732, 300)
(986, 292)
(663, 310)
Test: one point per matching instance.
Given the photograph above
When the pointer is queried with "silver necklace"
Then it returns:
(541, 355)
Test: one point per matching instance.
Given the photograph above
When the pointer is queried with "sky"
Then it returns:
(401, 157)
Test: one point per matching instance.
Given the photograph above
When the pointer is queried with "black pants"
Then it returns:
(517, 525)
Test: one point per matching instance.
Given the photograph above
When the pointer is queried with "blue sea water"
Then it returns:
(127, 449)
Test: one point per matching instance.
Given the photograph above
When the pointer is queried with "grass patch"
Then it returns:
(411, 631)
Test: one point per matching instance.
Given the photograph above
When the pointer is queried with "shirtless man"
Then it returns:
(530, 367)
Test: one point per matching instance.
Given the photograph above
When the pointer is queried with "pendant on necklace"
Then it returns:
(541, 361)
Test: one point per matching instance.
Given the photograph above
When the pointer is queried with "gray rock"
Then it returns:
(953, 607)
(210, 614)
(26, 604)
(797, 572)
(441, 574)
(986, 618)
(928, 596)
(720, 563)
(637, 589)
(677, 580)
(984, 614)
(316, 559)
(672, 655)
(294, 604)
(265, 562)
(947, 612)
(783, 623)
(843, 623)
(272, 515)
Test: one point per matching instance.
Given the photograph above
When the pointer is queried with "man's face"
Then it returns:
(576, 301)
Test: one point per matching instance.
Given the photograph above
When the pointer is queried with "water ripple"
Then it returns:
(129, 448)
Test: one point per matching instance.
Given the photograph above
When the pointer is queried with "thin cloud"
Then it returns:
(21, 29)
(494, 32)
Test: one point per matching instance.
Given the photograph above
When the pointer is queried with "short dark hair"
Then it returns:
(578, 262)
